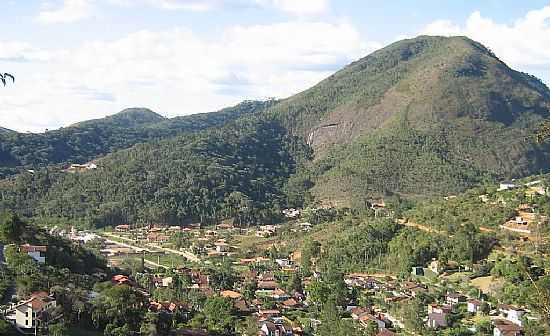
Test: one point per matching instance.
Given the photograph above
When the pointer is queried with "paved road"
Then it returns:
(188, 255)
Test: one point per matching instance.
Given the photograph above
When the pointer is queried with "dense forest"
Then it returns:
(425, 116)
(88, 140)
(237, 172)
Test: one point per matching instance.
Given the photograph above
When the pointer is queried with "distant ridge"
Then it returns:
(5, 130)
(130, 117)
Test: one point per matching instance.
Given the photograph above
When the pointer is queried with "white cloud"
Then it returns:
(301, 7)
(524, 44)
(70, 11)
(294, 7)
(175, 72)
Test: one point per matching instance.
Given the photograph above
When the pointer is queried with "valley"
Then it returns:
(405, 194)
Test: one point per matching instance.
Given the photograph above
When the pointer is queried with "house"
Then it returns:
(122, 228)
(290, 303)
(222, 246)
(474, 306)
(120, 279)
(417, 271)
(164, 282)
(77, 168)
(437, 320)
(267, 284)
(435, 266)
(506, 328)
(438, 309)
(507, 185)
(230, 294)
(455, 298)
(268, 313)
(157, 237)
(366, 318)
(359, 311)
(275, 329)
(511, 313)
(291, 213)
(35, 252)
(284, 262)
(28, 313)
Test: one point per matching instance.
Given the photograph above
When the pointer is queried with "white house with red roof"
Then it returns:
(27, 313)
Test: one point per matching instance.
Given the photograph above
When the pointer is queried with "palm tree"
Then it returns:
(5, 76)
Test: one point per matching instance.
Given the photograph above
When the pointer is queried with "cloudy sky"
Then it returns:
(83, 59)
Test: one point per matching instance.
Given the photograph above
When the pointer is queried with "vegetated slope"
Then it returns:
(88, 140)
(5, 130)
(130, 117)
(425, 115)
(237, 171)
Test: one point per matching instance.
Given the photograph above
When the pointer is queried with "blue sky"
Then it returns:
(82, 59)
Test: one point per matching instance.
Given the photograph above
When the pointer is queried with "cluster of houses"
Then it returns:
(507, 319)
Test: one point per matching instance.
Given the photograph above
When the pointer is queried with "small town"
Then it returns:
(274, 168)
(255, 278)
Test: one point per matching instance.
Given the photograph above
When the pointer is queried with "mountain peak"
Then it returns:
(137, 116)
(127, 118)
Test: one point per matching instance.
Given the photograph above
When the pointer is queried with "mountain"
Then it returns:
(424, 115)
(88, 140)
(238, 171)
(127, 118)
(5, 130)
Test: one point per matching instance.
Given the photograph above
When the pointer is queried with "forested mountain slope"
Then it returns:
(425, 115)
(5, 130)
(87, 140)
(237, 171)
(430, 115)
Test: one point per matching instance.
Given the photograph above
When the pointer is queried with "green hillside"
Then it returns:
(88, 140)
(5, 130)
(425, 115)
(234, 172)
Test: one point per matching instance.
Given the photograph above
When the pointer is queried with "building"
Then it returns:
(275, 329)
(506, 328)
(78, 168)
(222, 246)
(474, 306)
(366, 318)
(122, 228)
(28, 313)
(455, 298)
(507, 185)
(511, 313)
(437, 320)
(417, 271)
(38, 253)
(291, 213)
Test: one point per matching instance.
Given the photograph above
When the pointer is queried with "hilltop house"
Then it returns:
(28, 312)
(507, 185)
(77, 168)
(35, 252)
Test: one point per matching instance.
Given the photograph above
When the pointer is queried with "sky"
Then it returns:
(76, 60)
